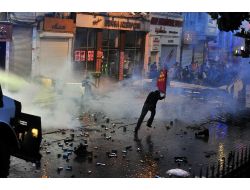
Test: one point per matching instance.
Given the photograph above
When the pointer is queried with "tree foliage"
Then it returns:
(230, 21)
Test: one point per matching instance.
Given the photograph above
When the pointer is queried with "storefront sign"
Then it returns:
(121, 65)
(59, 25)
(166, 22)
(5, 32)
(155, 43)
(122, 24)
(115, 23)
(165, 30)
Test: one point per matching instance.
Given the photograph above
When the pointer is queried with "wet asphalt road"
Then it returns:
(151, 156)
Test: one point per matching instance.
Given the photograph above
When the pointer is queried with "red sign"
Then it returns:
(77, 55)
(82, 55)
(162, 81)
(91, 55)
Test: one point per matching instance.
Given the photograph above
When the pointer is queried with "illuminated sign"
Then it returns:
(121, 24)
(91, 55)
(77, 55)
(82, 55)
(115, 23)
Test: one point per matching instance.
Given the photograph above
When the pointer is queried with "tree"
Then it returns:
(230, 21)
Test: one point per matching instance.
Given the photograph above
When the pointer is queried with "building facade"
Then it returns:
(198, 30)
(165, 38)
(112, 44)
(52, 47)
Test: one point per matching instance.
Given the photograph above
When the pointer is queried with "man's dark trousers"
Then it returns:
(144, 112)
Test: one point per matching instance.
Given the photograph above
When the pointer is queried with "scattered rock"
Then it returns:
(59, 169)
(69, 168)
(179, 159)
(100, 164)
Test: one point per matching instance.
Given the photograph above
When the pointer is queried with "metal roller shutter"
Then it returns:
(54, 54)
(186, 56)
(21, 51)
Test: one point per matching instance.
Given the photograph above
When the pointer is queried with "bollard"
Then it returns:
(245, 157)
(229, 159)
(212, 175)
(241, 157)
(201, 172)
(233, 160)
(207, 172)
(223, 166)
(218, 169)
(237, 159)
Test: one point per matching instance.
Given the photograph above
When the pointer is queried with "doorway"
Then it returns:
(2, 55)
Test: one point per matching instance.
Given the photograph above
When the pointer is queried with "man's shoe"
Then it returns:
(150, 126)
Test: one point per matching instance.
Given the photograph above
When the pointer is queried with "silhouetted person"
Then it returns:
(149, 105)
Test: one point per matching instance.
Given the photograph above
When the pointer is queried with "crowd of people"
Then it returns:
(210, 73)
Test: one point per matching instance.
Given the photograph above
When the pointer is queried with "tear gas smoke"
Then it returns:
(59, 106)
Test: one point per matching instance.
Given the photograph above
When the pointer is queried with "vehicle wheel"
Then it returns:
(4, 160)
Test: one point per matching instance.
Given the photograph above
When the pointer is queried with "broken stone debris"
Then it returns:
(59, 169)
(100, 164)
(111, 155)
(65, 155)
(108, 138)
(69, 168)
(180, 159)
(60, 144)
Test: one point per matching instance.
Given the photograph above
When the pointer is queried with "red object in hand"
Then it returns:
(162, 81)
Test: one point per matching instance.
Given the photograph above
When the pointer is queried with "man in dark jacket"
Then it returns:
(149, 105)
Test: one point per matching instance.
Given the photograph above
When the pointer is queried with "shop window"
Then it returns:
(110, 38)
(133, 39)
(85, 38)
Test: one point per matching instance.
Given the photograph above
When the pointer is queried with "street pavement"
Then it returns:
(112, 152)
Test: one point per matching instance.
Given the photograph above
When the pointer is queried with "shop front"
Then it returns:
(117, 45)
(165, 40)
(55, 42)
